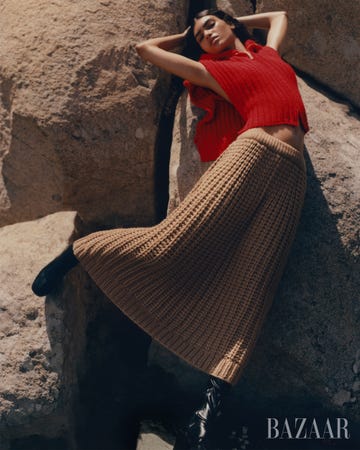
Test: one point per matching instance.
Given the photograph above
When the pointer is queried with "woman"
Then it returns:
(202, 281)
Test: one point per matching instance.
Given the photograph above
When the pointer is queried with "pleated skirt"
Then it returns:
(202, 281)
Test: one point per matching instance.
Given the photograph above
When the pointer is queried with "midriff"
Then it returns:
(289, 134)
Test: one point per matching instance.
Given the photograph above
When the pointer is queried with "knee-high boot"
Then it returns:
(199, 432)
(51, 275)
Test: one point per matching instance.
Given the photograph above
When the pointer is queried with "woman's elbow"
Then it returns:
(144, 50)
(280, 17)
(140, 48)
(284, 15)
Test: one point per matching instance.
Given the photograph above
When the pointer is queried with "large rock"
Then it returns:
(311, 340)
(236, 8)
(79, 109)
(323, 40)
(153, 436)
(37, 361)
(310, 345)
(79, 116)
(185, 164)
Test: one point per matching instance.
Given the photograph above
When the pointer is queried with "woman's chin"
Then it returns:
(216, 48)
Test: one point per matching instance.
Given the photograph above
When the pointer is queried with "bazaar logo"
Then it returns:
(304, 428)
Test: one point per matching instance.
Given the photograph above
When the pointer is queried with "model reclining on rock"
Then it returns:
(202, 281)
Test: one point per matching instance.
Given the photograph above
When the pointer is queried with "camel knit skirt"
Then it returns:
(202, 280)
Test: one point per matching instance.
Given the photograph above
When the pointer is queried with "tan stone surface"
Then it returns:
(185, 164)
(153, 436)
(79, 114)
(236, 8)
(324, 41)
(314, 321)
(78, 108)
(32, 331)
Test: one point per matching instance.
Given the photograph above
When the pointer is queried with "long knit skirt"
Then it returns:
(202, 281)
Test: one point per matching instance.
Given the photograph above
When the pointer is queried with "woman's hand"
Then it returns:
(276, 22)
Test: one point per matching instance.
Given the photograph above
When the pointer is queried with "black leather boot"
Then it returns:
(199, 432)
(52, 274)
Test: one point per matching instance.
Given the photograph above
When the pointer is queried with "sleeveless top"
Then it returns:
(263, 91)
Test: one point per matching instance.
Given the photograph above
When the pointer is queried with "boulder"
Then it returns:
(79, 117)
(185, 165)
(79, 109)
(153, 436)
(37, 370)
(323, 41)
(311, 339)
(308, 350)
(236, 8)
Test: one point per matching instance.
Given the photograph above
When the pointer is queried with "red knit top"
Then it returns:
(263, 91)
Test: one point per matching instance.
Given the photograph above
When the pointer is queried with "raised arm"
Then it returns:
(276, 22)
(158, 51)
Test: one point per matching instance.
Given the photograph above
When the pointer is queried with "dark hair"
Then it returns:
(193, 48)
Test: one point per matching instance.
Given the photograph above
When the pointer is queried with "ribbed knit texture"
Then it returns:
(202, 280)
(263, 91)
